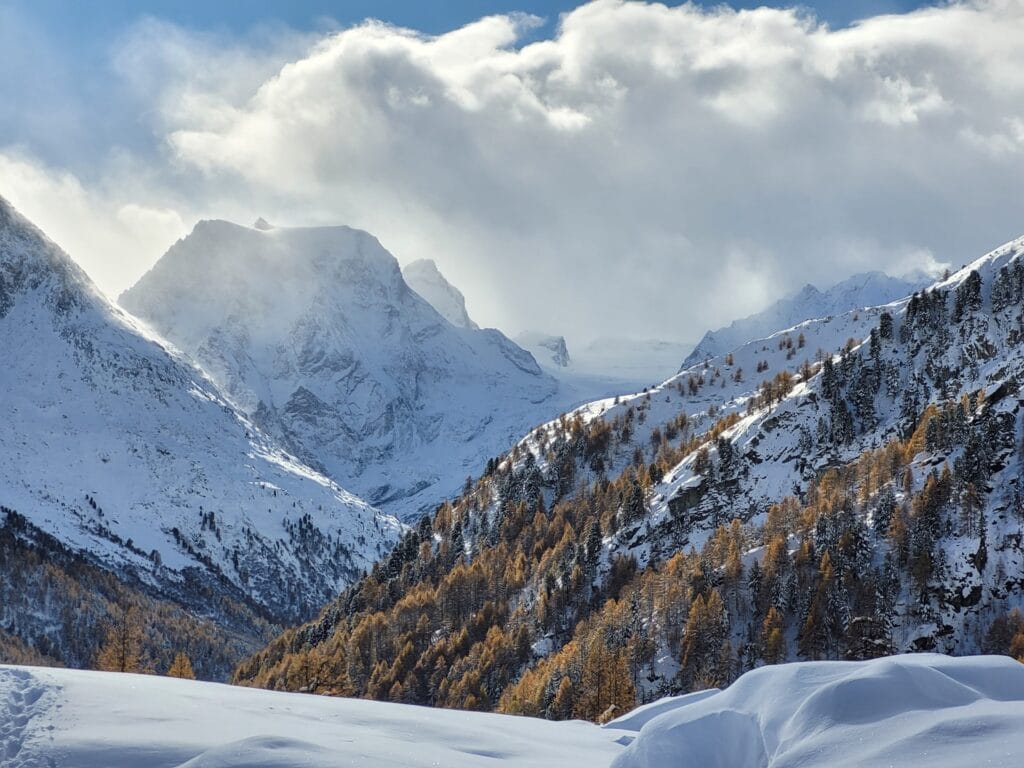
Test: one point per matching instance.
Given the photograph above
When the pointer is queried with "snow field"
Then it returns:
(927, 710)
(908, 711)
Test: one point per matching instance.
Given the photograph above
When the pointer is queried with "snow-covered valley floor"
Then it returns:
(905, 711)
(76, 719)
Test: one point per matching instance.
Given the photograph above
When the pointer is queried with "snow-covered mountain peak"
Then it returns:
(29, 259)
(314, 333)
(225, 272)
(809, 291)
(426, 279)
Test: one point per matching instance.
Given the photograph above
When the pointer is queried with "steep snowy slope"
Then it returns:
(781, 425)
(865, 290)
(910, 711)
(935, 349)
(426, 279)
(315, 335)
(934, 387)
(716, 387)
(119, 449)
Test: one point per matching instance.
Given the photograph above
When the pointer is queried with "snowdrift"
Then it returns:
(928, 710)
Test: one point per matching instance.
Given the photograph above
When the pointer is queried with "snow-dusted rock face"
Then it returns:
(550, 351)
(865, 290)
(426, 279)
(911, 711)
(315, 334)
(122, 450)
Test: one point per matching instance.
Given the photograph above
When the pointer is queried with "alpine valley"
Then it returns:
(592, 384)
(224, 476)
(845, 488)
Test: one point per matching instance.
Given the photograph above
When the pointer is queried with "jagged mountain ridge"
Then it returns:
(122, 451)
(868, 289)
(778, 448)
(314, 333)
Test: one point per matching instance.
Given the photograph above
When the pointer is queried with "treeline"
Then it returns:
(58, 608)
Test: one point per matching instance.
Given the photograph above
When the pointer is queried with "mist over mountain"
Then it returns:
(549, 351)
(316, 336)
(605, 367)
(426, 279)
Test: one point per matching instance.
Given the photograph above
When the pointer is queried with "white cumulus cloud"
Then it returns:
(647, 171)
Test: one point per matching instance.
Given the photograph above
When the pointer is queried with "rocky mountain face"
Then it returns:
(315, 335)
(845, 488)
(550, 351)
(119, 452)
(869, 289)
(426, 279)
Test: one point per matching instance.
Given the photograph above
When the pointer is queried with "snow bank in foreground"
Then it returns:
(75, 719)
(905, 711)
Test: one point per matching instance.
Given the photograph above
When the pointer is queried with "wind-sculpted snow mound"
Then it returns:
(925, 710)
